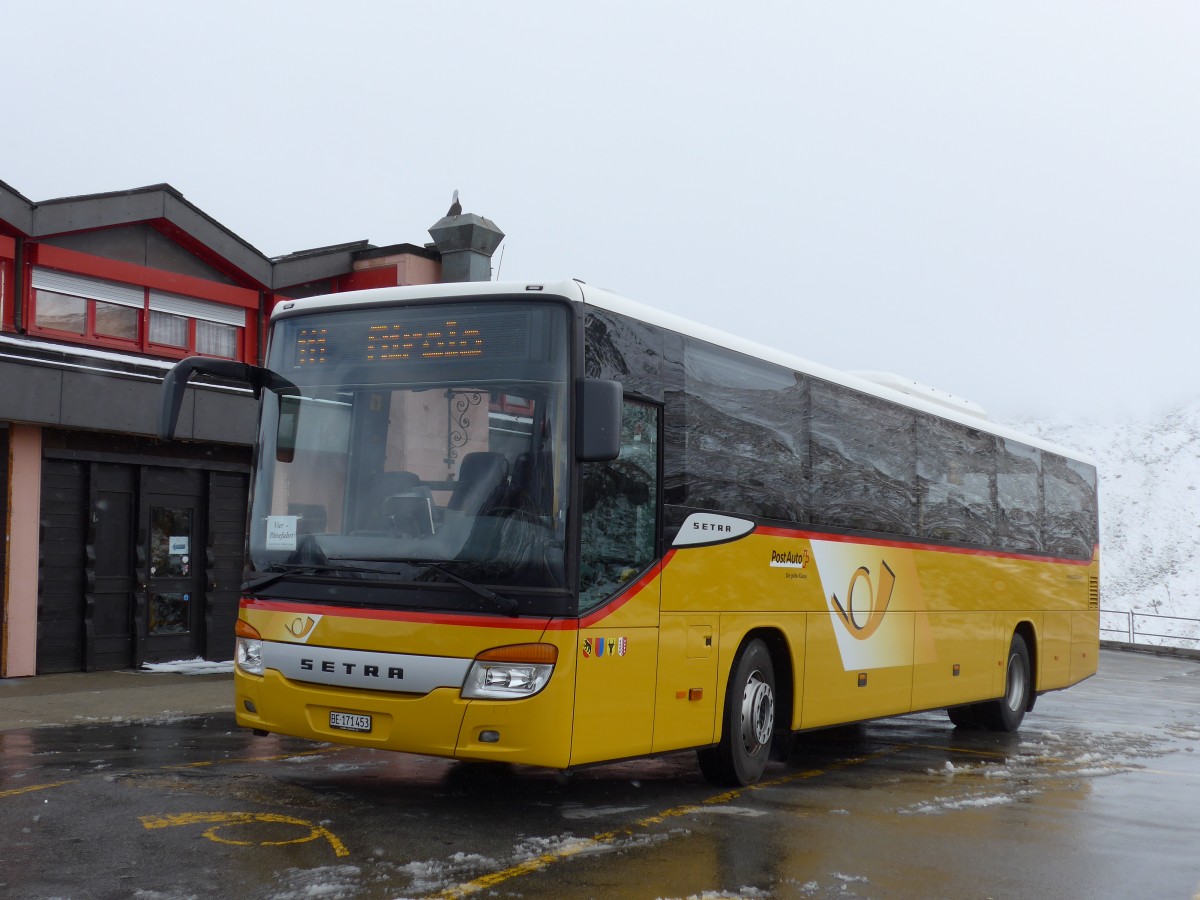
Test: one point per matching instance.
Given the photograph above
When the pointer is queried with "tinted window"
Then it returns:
(1070, 512)
(956, 472)
(624, 350)
(746, 437)
(749, 437)
(619, 500)
(1018, 492)
(863, 461)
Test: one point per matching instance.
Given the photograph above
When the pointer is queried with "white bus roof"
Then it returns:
(887, 386)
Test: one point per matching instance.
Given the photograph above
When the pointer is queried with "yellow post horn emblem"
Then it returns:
(300, 626)
(877, 602)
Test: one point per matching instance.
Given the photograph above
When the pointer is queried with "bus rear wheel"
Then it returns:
(1007, 713)
(748, 723)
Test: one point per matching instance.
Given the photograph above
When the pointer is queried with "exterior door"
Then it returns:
(171, 607)
(109, 576)
(617, 656)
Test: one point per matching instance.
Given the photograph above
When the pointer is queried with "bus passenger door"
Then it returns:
(618, 596)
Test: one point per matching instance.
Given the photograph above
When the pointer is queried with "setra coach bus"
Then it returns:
(543, 524)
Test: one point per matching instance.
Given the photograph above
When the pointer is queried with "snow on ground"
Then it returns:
(195, 666)
(1149, 517)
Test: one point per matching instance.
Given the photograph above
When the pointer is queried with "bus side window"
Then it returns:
(619, 500)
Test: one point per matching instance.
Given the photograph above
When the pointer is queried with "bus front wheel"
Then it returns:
(748, 723)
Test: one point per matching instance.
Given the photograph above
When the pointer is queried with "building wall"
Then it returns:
(83, 462)
(81, 468)
(24, 514)
(4, 483)
(141, 245)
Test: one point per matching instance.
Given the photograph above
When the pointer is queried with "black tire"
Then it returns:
(748, 725)
(1006, 713)
(964, 716)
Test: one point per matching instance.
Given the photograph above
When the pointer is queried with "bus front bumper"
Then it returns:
(533, 731)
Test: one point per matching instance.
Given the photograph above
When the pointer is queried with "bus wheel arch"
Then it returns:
(757, 696)
(1020, 677)
(785, 691)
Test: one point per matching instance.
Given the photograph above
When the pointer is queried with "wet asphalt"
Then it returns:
(125, 785)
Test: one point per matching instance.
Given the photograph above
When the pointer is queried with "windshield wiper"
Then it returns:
(295, 569)
(505, 604)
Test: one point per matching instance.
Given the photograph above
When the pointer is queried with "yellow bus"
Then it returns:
(543, 524)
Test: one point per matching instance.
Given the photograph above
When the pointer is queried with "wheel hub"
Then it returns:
(758, 713)
(1016, 684)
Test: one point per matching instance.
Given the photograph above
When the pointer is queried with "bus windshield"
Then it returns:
(416, 444)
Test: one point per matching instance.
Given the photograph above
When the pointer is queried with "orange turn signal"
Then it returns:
(538, 654)
(245, 630)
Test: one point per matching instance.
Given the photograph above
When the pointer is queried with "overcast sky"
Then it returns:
(1001, 199)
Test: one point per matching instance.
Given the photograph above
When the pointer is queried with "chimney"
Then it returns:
(466, 242)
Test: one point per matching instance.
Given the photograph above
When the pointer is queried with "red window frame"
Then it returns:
(89, 336)
(175, 352)
(245, 300)
(8, 252)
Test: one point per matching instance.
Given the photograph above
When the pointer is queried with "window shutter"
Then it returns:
(197, 309)
(92, 288)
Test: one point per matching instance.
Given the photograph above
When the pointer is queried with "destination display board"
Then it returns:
(423, 335)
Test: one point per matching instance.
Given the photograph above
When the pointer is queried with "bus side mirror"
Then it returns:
(176, 380)
(597, 420)
(289, 424)
(175, 383)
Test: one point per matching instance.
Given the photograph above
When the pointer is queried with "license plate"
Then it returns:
(349, 721)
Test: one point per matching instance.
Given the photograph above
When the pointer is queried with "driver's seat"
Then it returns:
(482, 482)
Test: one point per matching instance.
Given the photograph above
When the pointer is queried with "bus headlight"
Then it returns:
(510, 673)
(248, 652)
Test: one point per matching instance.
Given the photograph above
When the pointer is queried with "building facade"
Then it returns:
(120, 549)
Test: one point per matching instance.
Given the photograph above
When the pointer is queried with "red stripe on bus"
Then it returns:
(621, 599)
(395, 615)
(466, 621)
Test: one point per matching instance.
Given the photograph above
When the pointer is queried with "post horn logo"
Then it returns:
(864, 609)
(301, 626)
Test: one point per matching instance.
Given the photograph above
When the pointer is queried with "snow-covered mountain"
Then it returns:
(1149, 517)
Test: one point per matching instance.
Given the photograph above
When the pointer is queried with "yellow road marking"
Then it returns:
(222, 820)
(970, 752)
(276, 758)
(546, 860)
(12, 792)
(1167, 772)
